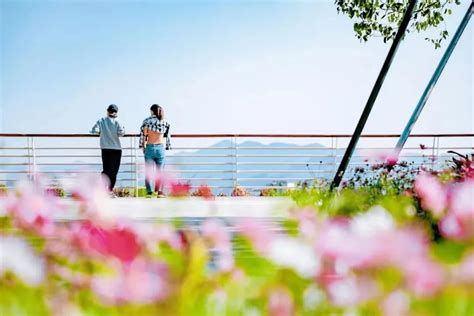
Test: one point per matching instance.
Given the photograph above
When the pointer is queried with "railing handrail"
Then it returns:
(247, 135)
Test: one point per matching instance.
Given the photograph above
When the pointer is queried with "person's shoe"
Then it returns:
(113, 195)
(160, 194)
(148, 195)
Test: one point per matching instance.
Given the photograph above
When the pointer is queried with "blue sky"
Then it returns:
(218, 67)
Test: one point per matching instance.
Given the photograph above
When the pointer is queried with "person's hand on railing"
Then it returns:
(95, 129)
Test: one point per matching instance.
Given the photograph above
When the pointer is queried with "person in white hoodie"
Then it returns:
(110, 129)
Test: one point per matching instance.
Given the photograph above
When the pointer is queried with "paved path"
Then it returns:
(271, 208)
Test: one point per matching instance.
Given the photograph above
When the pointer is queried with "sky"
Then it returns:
(219, 67)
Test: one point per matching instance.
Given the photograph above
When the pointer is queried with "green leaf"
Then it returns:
(448, 251)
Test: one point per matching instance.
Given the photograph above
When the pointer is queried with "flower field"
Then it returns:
(398, 242)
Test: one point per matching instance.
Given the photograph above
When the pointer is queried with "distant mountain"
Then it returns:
(255, 164)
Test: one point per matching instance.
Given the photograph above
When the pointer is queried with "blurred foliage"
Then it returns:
(263, 277)
(381, 18)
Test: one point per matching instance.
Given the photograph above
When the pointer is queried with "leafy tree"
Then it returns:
(381, 18)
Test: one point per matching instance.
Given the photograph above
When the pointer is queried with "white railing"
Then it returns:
(222, 161)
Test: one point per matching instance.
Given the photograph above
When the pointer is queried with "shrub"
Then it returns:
(269, 192)
(203, 191)
(239, 191)
(56, 191)
(122, 192)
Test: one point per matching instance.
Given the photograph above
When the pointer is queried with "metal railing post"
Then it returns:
(334, 151)
(33, 154)
(234, 145)
(28, 150)
(437, 152)
(131, 181)
(433, 150)
(135, 154)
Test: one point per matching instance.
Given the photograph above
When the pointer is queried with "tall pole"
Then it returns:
(434, 79)
(373, 95)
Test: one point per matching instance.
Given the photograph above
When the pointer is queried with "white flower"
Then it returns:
(4, 203)
(312, 297)
(17, 256)
(375, 220)
(450, 226)
(295, 254)
(217, 302)
(341, 267)
(344, 292)
(252, 311)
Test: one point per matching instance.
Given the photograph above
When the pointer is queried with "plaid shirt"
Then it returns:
(153, 124)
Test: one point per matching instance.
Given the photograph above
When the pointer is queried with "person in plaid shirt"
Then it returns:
(154, 140)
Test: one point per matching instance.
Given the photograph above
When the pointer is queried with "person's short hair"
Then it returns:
(112, 108)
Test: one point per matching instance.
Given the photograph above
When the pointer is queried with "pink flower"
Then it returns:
(368, 240)
(357, 249)
(431, 193)
(237, 275)
(328, 274)
(397, 303)
(462, 201)
(382, 157)
(258, 233)
(403, 244)
(424, 277)
(337, 241)
(77, 278)
(180, 189)
(464, 272)
(115, 242)
(89, 188)
(33, 209)
(459, 223)
(159, 177)
(93, 196)
(451, 227)
(152, 234)
(213, 231)
(280, 303)
(408, 251)
(140, 283)
(391, 160)
(307, 227)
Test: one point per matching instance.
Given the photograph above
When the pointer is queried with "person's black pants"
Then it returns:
(111, 164)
